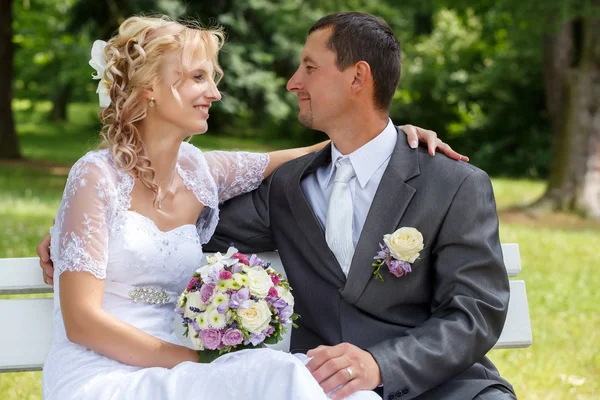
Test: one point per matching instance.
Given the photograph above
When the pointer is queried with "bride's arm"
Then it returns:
(80, 242)
(414, 135)
(88, 325)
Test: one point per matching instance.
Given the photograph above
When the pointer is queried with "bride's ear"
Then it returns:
(148, 93)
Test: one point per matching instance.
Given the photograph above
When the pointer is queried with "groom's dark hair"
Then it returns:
(364, 37)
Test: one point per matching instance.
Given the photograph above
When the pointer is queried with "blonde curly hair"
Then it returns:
(134, 57)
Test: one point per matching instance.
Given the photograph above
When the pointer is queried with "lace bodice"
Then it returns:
(96, 232)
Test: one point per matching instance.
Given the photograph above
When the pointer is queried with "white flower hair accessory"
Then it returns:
(98, 62)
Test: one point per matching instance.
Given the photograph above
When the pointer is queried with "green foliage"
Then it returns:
(472, 71)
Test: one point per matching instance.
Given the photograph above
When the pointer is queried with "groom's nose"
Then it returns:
(295, 83)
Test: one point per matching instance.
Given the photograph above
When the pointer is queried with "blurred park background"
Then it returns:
(513, 84)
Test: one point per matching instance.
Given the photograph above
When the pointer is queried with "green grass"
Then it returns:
(559, 257)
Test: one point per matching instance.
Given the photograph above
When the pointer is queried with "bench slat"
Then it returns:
(512, 259)
(24, 346)
(517, 327)
(23, 275)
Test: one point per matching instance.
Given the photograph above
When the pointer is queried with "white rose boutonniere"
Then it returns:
(399, 251)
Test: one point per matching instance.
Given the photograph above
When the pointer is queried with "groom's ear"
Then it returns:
(362, 76)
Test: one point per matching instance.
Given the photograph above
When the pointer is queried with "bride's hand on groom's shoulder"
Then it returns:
(43, 252)
(414, 135)
(343, 364)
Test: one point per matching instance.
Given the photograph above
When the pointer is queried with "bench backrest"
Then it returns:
(26, 323)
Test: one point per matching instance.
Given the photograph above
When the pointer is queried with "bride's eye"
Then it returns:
(199, 77)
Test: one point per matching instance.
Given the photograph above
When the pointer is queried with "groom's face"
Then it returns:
(323, 90)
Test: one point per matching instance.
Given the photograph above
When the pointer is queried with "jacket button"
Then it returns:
(405, 390)
(391, 396)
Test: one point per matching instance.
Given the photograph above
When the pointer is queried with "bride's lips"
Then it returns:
(203, 108)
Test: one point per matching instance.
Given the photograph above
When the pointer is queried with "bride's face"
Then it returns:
(184, 99)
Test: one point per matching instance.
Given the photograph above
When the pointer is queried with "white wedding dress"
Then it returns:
(95, 232)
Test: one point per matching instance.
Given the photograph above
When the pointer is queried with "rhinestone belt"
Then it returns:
(141, 294)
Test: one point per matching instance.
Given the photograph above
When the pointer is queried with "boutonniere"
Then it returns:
(399, 251)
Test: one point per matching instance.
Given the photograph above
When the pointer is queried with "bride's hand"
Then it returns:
(414, 135)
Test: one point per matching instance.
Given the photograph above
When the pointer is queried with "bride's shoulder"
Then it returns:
(95, 164)
(191, 157)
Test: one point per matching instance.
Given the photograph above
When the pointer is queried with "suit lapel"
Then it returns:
(389, 204)
(307, 221)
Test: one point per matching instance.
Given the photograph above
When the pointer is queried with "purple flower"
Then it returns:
(240, 299)
(277, 303)
(222, 308)
(211, 338)
(195, 325)
(269, 331)
(255, 261)
(207, 292)
(398, 268)
(285, 314)
(232, 337)
(257, 338)
(237, 268)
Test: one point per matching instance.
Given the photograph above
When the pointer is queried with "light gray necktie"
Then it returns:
(338, 227)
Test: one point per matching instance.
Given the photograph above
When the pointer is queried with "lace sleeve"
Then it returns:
(80, 234)
(236, 173)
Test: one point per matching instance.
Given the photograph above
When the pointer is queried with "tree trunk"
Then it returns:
(60, 102)
(9, 145)
(573, 102)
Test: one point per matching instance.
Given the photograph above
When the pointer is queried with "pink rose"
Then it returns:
(241, 257)
(192, 283)
(207, 292)
(225, 275)
(273, 292)
(232, 337)
(275, 279)
(211, 338)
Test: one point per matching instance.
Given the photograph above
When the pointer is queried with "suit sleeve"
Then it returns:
(244, 221)
(470, 298)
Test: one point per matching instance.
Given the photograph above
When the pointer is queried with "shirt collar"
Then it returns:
(368, 158)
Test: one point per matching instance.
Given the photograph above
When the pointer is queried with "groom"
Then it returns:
(423, 335)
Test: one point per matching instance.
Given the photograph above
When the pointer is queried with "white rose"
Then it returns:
(259, 282)
(196, 342)
(286, 295)
(193, 300)
(405, 244)
(256, 318)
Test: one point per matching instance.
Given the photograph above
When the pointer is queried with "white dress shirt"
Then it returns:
(369, 163)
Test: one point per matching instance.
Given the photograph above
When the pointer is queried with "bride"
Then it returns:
(136, 214)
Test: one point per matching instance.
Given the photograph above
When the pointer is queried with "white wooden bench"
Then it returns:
(26, 323)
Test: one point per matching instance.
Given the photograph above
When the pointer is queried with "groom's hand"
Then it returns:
(344, 364)
(43, 252)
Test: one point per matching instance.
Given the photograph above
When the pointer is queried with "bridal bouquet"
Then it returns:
(235, 302)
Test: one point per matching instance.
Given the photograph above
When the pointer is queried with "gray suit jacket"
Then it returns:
(429, 330)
